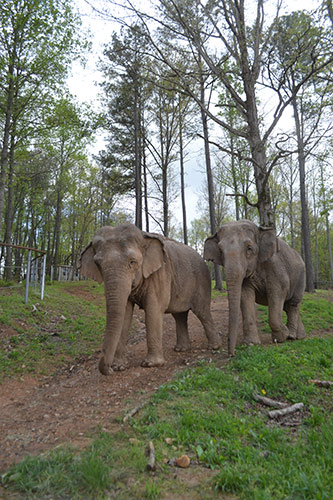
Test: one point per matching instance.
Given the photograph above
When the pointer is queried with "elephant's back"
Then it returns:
(186, 259)
(190, 274)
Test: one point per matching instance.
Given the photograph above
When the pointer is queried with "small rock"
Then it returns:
(183, 461)
(134, 441)
(168, 440)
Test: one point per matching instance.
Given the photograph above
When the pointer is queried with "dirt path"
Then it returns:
(39, 413)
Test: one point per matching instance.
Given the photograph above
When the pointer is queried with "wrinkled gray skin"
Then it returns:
(259, 267)
(158, 274)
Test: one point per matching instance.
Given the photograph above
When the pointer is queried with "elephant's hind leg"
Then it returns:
(294, 322)
(183, 340)
(301, 333)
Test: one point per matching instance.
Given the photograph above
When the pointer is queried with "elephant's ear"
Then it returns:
(268, 243)
(212, 250)
(153, 257)
(87, 266)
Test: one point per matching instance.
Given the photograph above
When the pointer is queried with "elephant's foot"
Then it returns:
(251, 341)
(291, 335)
(214, 346)
(104, 368)
(119, 365)
(280, 335)
(301, 333)
(152, 361)
(182, 347)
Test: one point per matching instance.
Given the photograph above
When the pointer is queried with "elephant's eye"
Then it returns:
(132, 262)
(249, 250)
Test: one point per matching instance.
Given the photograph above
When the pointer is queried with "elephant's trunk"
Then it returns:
(234, 286)
(117, 291)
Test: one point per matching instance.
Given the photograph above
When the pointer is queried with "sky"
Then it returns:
(83, 83)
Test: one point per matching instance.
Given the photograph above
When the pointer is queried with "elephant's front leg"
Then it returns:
(249, 313)
(154, 326)
(119, 362)
(183, 340)
(275, 307)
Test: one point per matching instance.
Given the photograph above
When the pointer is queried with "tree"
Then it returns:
(37, 43)
(125, 90)
(297, 44)
(69, 132)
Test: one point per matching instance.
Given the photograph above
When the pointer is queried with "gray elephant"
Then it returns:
(259, 267)
(158, 274)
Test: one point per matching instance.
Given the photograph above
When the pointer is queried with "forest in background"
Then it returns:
(216, 77)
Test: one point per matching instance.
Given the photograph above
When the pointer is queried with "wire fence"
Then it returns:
(32, 268)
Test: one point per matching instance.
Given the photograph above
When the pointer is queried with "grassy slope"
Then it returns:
(209, 412)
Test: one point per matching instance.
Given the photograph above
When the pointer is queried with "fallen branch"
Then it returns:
(132, 412)
(269, 402)
(321, 383)
(151, 454)
(286, 411)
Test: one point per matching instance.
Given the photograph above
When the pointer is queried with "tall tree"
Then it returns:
(299, 43)
(125, 91)
(37, 44)
(69, 131)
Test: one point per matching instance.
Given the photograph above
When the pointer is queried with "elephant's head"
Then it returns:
(123, 257)
(239, 247)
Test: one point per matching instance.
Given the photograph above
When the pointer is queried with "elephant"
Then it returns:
(158, 274)
(259, 268)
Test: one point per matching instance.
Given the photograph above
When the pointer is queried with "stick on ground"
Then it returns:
(132, 412)
(269, 402)
(286, 411)
(151, 454)
(321, 383)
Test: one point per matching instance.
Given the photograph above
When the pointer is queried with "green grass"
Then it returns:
(208, 411)
(47, 333)
(210, 414)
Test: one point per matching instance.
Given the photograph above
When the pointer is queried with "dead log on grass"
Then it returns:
(151, 454)
(269, 402)
(321, 383)
(286, 411)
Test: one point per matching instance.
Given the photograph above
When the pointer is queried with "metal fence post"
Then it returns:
(27, 278)
(35, 272)
(42, 278)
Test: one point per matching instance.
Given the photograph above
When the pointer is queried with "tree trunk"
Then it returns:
(233, 173)
(6, 134)
(327, 223)
(182, 175)
(9, 214)
(145, 177)
(305, 214)
(211, 200)
(138, 185)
